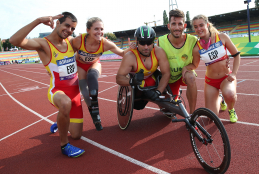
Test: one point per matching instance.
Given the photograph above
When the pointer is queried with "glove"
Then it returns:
(137, 78)
(152, 94)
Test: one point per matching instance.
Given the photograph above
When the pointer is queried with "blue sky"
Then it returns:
(117, 15)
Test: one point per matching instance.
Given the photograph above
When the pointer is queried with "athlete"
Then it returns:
(90, 46)
(147, 58)
(57, 55)
(182, 59)
(212, 47)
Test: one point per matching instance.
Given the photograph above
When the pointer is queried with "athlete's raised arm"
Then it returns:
(19, 38)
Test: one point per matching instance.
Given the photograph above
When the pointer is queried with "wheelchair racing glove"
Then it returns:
(137, 78)
(152, 94)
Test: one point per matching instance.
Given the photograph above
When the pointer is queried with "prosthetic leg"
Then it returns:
(92, 78)
(94, 109)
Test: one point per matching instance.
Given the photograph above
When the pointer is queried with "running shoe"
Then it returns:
(72, 151)
(223, 104)
(54, 128)
(233, 115)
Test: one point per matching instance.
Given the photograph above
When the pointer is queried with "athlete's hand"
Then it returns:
(231, 77)
(132, 45)
(152, 94)
(137, 78)
(49, 20)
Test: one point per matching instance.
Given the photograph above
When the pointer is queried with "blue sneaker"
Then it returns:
(72, 151)
(54, 128)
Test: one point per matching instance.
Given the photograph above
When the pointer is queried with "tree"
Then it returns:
(257, 3)
(165, 18)
(110, 36)
(73, 34)
(187, 16)
(1, 45)
(7, 44)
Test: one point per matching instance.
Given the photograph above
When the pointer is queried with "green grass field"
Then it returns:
(245, 39)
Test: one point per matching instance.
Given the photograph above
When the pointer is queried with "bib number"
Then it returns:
(213, 55)
(67, 68)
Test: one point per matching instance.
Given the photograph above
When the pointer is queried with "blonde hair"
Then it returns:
(211, 28)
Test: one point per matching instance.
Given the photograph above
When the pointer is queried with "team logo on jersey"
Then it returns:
(55, 54)
(184, 57)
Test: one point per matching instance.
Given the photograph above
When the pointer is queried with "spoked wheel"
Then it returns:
(125, 104)
(214, 153)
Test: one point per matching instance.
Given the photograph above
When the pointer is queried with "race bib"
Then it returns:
(215, 53)
(67, 68)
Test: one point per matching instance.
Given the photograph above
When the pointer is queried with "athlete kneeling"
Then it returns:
(148, 57)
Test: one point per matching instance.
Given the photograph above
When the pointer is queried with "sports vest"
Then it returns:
(140, 64)
(86, 56)
(216, 52)
(178, 57)
(62, 66)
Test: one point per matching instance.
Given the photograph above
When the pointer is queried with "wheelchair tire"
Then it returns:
(125, 105)
(213, 156)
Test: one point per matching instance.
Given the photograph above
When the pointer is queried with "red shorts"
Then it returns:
(150, 81)
(214, 82)
(76, 112)
(85, 66)
(175, 87)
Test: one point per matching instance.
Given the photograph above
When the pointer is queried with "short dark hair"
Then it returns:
(67, 15)
(176, 13)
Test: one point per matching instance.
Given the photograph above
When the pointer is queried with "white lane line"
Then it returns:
(21, 91)
(249, 63)
(240, 122)
(42, 117)
(107, 89)
(27, 126)
(26, 78)
(30, 71)
(132, 160)
(241, 81)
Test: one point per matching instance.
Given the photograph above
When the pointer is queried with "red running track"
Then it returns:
(151, 144)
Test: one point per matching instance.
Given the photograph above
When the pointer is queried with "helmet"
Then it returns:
(145, 33)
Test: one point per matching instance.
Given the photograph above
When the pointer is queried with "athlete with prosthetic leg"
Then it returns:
(90, 46)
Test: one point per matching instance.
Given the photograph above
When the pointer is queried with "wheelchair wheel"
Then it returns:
(125, 105)
(214, 155)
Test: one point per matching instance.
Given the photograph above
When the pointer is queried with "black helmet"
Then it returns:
(145, 33)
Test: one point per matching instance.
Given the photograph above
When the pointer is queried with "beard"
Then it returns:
(61, 35)
(176, 36)
(146, 53)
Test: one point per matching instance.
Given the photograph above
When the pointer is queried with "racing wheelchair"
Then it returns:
(208, 136)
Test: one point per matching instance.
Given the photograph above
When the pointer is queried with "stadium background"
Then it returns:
(235, 24)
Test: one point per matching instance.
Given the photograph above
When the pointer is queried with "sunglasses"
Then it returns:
(141, 42)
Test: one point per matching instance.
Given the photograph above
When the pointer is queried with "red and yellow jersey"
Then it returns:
(62, 67)
(86, 56)
(140, 64)
(215, 53)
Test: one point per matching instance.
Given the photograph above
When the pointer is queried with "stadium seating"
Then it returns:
(243, 28)
(18, 55)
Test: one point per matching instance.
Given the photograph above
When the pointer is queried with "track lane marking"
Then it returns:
(125, 157)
